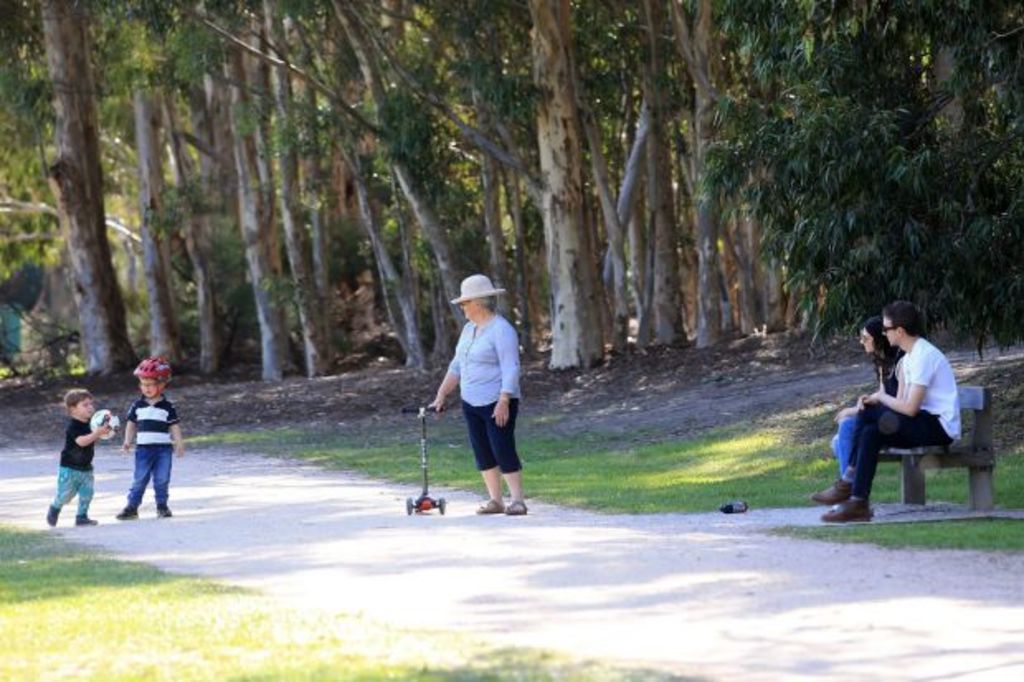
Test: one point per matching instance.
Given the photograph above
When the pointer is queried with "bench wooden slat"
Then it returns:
(941, 460)
(976, 455)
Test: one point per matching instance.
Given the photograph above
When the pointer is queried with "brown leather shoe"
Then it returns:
(839, 491)
(851, 510)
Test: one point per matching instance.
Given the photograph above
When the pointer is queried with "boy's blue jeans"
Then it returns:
(842, 443)
(151, 461)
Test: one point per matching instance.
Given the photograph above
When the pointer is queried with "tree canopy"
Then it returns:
(670, 171)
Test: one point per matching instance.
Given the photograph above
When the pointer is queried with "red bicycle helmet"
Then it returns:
(154, 368)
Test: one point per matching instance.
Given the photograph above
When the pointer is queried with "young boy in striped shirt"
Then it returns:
(152, 422)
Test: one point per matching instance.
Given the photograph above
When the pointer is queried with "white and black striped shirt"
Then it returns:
(153, 422)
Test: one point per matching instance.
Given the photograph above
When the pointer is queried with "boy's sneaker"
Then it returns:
(85, 521)
(51, 516)
(164, 512)
(128, 513)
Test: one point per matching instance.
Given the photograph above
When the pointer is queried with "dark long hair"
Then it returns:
(884, 355)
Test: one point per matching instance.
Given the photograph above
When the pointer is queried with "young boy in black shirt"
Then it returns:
(75, 476)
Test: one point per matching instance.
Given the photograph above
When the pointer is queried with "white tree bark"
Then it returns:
(575, 321)
(254, 220)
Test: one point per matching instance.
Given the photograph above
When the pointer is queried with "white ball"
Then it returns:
(101, 417)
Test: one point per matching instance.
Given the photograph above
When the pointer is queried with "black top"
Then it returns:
(890, 382)
(74, 456)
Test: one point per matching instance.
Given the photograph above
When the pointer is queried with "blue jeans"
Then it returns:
(903, 432)
(151, 461)
(842, 443)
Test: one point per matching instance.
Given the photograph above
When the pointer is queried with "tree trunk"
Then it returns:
(616, 240)
(495, 238)
(439, 313)
(313, 345)
(696, 46)
(421, 208)
(639, 266)
(197, 242)
(163, 325)
(776, 300)
(77, 181)
(514, 201)
(746, 246)
(491, 191)
(405, 324)
(709, 311)
(254, 223)
(258, 78)
(575, 322)
(668, 318)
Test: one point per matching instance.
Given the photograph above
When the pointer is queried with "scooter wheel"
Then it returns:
(441, 505)
(409, 506)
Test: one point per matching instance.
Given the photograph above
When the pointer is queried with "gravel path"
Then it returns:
(709, 596)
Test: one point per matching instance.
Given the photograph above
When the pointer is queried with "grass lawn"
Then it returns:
(67, 613)
(772, 463)
(983, 534)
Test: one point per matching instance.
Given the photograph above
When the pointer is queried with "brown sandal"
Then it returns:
(491, 507)
(517, 508)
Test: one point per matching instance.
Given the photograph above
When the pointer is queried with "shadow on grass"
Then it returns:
(219, 640)
(521, 665)
(35, 567)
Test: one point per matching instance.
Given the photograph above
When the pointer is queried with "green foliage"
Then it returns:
(868, 188)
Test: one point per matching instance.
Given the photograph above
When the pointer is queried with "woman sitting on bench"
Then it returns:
(885, 359)
(927, 413)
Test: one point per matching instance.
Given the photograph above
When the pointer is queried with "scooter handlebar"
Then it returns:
(411, 409)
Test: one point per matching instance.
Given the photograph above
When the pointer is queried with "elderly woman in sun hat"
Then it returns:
(486, 370)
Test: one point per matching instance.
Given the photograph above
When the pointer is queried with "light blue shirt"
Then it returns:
(487, 362)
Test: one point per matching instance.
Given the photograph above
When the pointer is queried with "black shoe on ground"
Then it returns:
(51, 516)
(164, 512)
(127, 514)
(85, 521)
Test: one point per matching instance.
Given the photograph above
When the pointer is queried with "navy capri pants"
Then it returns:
(493, 446)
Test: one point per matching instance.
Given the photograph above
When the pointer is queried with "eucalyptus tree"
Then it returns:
(698, 44)
(871, 187)
(315, 350)
(368, 47)
(551, 166)
(163, 324)
(575, 326)
(616, 122)
(77, 180)
(256, 213)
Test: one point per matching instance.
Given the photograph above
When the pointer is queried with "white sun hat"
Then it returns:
(476, 286)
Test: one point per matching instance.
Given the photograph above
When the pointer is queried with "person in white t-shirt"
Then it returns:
(927, 412)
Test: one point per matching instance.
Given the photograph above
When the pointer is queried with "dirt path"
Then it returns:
(709, 596)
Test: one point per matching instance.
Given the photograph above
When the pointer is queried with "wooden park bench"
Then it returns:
(976, 454)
